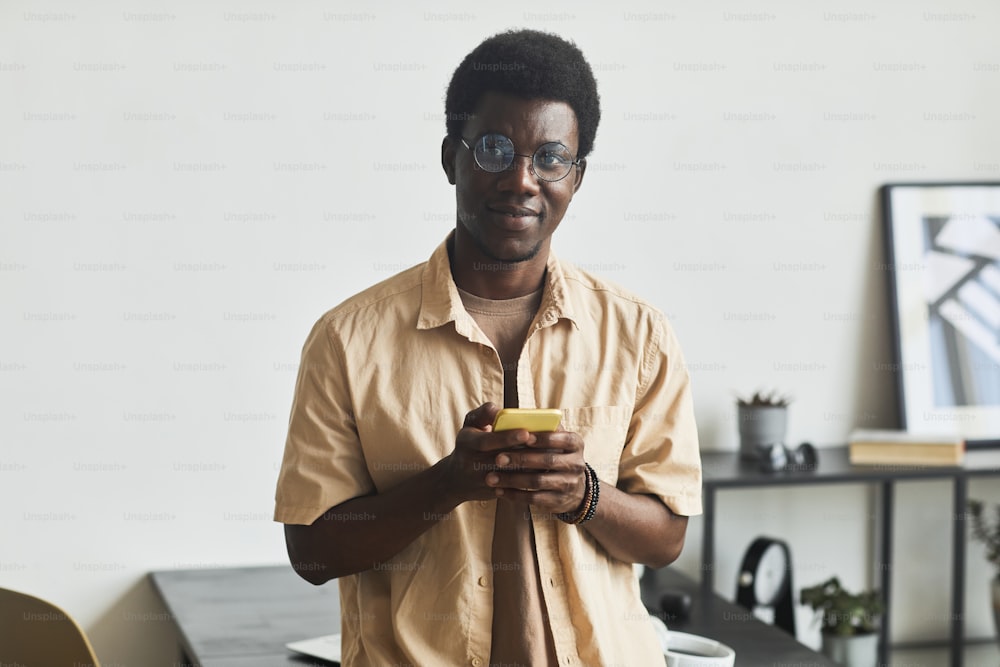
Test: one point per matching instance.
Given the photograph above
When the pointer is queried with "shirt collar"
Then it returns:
(440, 302)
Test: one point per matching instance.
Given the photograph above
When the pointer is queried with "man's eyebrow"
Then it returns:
(558, 140)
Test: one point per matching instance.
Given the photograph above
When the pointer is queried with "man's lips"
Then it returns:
(514, 211)
(512, 218)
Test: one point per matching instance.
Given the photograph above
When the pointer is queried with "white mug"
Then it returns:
(685, 650)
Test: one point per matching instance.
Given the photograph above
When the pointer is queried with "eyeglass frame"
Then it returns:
(531, 165)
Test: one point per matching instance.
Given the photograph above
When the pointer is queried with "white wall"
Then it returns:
(185, 187)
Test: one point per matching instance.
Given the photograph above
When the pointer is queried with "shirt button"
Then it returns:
(476, 662)
(483, 581)
(568, 660)
(484, 503)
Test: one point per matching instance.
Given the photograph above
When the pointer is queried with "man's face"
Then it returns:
(510, 216)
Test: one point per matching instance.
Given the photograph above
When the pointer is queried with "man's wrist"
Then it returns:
(444, 494)
(588, 506)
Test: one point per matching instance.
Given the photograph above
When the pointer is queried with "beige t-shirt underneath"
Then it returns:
(521, 635)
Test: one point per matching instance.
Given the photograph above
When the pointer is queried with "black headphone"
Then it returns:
(778, 458)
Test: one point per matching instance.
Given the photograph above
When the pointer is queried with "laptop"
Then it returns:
(326, 647)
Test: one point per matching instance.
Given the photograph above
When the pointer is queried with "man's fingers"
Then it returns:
(552, 482)
(545, 503)
(533, 459)
(565, 441)
(482, 416)
(477, 440)
(493, 442)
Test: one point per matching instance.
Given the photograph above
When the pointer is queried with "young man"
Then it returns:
(455, 544)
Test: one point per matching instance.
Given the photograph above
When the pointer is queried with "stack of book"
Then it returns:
(873, 447)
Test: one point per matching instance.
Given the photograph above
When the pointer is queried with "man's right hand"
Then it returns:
(338, 544)
(474, 456)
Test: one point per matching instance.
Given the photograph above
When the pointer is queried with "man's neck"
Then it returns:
(493, 279)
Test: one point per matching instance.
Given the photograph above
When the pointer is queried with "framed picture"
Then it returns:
(943, 262)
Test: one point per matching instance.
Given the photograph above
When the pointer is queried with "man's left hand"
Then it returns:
(548, 472)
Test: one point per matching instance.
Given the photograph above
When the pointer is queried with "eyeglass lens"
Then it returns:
(495, 153)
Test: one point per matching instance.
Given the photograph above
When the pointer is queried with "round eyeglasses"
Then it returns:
(495, 153)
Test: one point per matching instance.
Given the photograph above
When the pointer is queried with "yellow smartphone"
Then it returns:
(531, 419)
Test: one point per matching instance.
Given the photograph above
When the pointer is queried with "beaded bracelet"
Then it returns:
(588, 506)
(596, 487)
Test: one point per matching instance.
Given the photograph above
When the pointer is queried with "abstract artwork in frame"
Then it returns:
(943, 262)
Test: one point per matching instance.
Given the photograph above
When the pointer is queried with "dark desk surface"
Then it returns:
(726, 469)
(243, 617)
(755, 643)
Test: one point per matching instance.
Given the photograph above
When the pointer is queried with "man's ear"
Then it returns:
(580, 168)
(448, 159)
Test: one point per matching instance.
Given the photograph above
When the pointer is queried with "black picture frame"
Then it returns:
(942, 250)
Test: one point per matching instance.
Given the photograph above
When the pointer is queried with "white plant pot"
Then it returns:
(853, 651)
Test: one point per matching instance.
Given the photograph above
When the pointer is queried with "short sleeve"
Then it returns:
(323, 463)
(661, 455)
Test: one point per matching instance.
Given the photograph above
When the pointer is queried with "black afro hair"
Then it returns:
(531, 65)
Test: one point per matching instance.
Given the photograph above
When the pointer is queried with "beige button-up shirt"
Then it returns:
(385, 382)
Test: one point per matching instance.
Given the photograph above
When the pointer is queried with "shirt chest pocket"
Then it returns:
(603, 430)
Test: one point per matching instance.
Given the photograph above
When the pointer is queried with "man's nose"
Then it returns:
(520, 176)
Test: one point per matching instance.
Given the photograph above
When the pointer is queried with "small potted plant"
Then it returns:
(849, 622)
(988, 532)
(763, 421)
